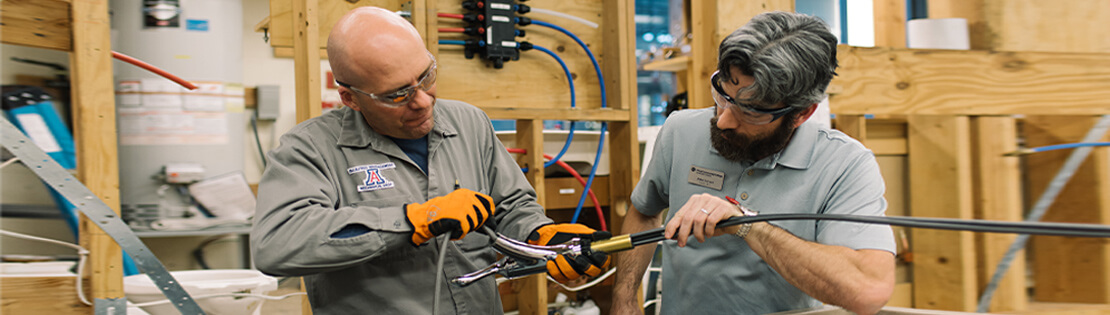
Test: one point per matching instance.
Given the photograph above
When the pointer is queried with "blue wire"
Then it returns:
(452, 42)
(604, 126)
(570, 82)
(1069, 146)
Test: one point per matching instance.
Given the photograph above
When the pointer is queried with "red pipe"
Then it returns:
(156, 70)
(565, 166)
(450, 15)
(452, 29)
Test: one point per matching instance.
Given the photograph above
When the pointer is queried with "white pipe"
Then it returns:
(83, 254)
(565, 16)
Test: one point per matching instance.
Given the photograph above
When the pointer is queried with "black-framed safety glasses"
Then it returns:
(746, 113)
(404, 95)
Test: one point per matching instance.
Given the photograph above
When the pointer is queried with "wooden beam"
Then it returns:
(529, 136)
(703, 52)
(560, 113)
(854, 126)
(997, 190)
(306, 60)
(940, 186)
(618, 34)
(1069, 269)
(41, 295)
(36, 23)
(94, 111)
(947, 82)
(890, 23)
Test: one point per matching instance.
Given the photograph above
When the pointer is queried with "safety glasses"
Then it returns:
(746, 113)
(403, 95)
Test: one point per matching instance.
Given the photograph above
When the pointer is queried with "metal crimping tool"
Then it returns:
(520, 259)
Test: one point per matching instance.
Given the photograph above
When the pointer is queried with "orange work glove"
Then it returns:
(566, 268)
(458, 212)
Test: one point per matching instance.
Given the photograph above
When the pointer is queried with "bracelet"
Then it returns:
(746, 227)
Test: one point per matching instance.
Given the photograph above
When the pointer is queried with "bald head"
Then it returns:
(370, 42)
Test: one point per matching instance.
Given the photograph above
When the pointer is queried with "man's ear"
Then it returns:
(805, 115)
(348, 98)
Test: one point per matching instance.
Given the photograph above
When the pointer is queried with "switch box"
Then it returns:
(269, 102)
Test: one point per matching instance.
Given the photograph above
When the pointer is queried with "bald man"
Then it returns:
(353, 200)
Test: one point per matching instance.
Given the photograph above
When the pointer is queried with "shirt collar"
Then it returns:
(357, 133)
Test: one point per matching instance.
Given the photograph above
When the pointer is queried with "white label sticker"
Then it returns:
(500, 18)
(508, 44)
(40, 134)
(500, 6)
(566, 191)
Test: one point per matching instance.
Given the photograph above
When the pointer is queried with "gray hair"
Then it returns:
(791, 56)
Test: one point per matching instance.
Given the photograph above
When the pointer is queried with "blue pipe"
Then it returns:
(1069, 146)
(570, 82)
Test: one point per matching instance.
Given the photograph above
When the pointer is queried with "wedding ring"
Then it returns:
(704, 211)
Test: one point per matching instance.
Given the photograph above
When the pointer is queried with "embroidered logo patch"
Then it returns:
(374, 179)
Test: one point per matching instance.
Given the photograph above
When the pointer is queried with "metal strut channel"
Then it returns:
(98, 212)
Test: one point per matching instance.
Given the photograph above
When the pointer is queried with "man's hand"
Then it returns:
(565, 268)
(458, 212)
(699, 216)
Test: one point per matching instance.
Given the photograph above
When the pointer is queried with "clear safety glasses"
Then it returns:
(403, 95)
(746, 113)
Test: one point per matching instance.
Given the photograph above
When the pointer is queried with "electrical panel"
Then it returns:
(492, 25)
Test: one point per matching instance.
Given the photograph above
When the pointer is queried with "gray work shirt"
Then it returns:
(334, 170)
(820, 171)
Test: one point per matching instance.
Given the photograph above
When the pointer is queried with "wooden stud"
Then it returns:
(703, 53)
(612, 114)
(890, 23)
(619, 67)
(1069, 269)
(949, 82)
(997, 190)
(529, 136)
(306, 59)
(95, 138)
(854, 126)
(940, 186)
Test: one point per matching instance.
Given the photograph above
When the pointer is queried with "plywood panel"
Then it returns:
(940, 186)
(914, 81)
(1069, 269)
(329, 11)
(997, 187)
(36, 23)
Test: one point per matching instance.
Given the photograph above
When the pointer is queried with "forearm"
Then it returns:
(857, 280)
(631, 264)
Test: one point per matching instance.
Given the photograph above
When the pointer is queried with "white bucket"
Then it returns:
(140, 289)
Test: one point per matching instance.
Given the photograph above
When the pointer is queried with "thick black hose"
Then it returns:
(1037, 228)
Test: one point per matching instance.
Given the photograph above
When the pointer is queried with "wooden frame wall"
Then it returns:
(80, 27)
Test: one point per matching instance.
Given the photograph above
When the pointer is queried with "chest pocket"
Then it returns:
(388, 210)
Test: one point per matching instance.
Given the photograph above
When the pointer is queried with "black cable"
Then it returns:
(439, 272)
(1038, 228)
(257, 140)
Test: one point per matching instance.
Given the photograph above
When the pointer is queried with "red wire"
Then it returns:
(156, 70)
(565, 166)
(452, 29)
(450, 15)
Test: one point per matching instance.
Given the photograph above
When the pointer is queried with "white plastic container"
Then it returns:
(140, 289)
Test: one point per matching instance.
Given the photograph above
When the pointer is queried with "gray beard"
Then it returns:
(739, 148)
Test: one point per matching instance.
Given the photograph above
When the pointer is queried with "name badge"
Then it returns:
(706, 177)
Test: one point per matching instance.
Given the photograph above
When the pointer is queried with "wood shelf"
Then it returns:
(675, 64)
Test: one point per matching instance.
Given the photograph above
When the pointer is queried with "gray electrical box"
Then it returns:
(268, 98)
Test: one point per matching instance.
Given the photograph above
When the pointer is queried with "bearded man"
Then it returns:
(755, 146)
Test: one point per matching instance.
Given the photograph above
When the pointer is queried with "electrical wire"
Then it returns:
(237, 295)
(9, 161)
(565, 16)
(156, 70)
(570, 82)
(439, 272)
(1058, 147)
(588, 285)
(82, 254)
(577, 176)
(452, 30)
(450, 15)
(257, 140)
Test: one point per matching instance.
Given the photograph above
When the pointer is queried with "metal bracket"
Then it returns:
(97, 212)
(116, 306)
